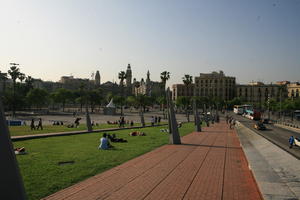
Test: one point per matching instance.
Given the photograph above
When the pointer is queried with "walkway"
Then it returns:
(209, 165)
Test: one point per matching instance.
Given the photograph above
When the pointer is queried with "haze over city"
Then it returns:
(251, 40)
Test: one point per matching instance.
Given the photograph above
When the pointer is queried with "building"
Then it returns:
(182, 90)
(128, 76)
(258, 92)
(71, 83)
(148, 87)
(215, 85)
(293, 89)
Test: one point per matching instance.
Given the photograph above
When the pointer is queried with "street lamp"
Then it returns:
(268, 106)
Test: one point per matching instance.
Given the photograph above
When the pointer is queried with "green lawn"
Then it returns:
(43, 176)
(25, 130)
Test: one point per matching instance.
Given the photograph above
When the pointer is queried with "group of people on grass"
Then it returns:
(34, 127)
(106, 139)
(121, 122)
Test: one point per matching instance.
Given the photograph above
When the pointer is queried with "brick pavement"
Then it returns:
(208, 165)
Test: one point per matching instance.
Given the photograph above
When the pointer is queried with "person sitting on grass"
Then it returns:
(104, 143)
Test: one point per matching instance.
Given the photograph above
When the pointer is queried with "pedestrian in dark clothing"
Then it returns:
(40, 124)
(123, 122)
(159, 119)
(32, 126)
(291, 141)
(77, 121)
(155, 119)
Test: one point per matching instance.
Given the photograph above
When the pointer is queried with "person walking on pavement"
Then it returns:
(291, 141)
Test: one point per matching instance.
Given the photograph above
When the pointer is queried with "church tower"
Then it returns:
(97, 78)
(128, 75)
(148, 78)
(148, 84)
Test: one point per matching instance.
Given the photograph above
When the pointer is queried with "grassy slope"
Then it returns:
(43, 176)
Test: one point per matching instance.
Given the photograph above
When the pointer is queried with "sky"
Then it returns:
(253, 40)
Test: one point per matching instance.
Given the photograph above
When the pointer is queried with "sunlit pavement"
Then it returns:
(208, 165)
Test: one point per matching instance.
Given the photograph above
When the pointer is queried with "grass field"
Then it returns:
(43, 176)
(25, 130)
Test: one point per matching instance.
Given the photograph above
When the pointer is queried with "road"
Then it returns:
(276, 135)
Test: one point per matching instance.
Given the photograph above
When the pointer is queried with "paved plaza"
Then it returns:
(208, 165)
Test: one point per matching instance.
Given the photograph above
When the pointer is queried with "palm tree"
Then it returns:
(122, 77)
(164, 76)
(3, 78)
(142, 101)
(187, 80)
(14, 73)
(136, 85)
(22, 77)
(29, 82)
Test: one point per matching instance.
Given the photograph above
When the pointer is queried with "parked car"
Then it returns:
(260, 126)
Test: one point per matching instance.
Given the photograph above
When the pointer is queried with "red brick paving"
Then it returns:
(208, 165)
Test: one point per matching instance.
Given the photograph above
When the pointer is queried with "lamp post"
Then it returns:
(268, 106)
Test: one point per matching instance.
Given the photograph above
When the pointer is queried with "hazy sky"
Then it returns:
(250, 39)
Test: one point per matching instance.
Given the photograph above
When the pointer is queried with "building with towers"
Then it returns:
(148, 87)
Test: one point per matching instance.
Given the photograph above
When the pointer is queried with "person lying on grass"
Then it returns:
(20, 150)
(113, 138)
(137, 133)
(104, 143)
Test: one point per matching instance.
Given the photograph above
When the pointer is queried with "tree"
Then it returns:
(95, 98)
(122, 77)
(136, 86)
(162, 102)
(183, 102)
(29, 82)
(187, 80)
(61, 95)
(14, 73)
(81, 95)
(37, 97)
(22, 77)
(130, 101)
(120, 101)
(3, 78)
(164, 76)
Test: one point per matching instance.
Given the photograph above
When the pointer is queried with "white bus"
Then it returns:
(241, 109)
(238, 109)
